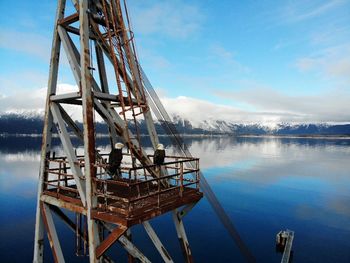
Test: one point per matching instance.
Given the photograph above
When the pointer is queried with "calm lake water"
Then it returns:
(264, 184)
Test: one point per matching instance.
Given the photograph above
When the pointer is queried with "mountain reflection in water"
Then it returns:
(264, 184)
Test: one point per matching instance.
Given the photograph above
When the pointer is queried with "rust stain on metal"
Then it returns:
(143, 191)
(110, 240)
(49, 234)
(69, 19)
(165, 252)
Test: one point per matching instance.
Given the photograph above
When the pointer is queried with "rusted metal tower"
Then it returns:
(100, 30)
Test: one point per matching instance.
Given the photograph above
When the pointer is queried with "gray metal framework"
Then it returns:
(103, 30)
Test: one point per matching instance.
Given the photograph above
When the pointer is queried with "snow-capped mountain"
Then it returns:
(23, 114)
(26, 114)
(29, 122)
(219, 126)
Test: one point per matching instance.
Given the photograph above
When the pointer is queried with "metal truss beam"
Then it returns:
(116, 122)
(181, 234)
(129, 246)
(89, 127)
(64, 217)
(65, 97)
(157, 243)
(185, 210)
(101, 68)
(68, 148)
(147, 113)
(63, 204)
(137, 75)
(69, 19)
(104, 86)
(68, 44)
(128, 235)
(52, 234)
(133, 250)
(47, 134)
(71, 123)
(72, 226)
(92, 96)
(73, 58)
(110, 240)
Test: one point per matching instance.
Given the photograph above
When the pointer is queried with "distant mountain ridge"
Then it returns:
(32, 123)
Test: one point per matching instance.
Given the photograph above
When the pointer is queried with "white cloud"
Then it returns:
(30, 43)
(29, 101)
(340, 68)
(16, 82)
(176, 19)
(332, 106)
(271, 107)
(152, 58)
(198, 111)
(331, 33)
(35, 45)
(298, 11)
(332, 62)
(220, 55)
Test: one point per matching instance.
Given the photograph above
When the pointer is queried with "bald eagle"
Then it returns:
(159, 155)
(115, 159)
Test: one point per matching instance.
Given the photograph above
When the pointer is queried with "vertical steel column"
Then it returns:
(47, 133)
(104, 86)
(88, 122)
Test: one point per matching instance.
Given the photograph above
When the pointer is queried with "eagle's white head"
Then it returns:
(119, 145)
(160, 147)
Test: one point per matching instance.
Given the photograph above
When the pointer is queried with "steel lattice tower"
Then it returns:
(79, 183)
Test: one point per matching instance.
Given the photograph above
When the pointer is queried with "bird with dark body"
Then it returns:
(115, 159)
(159, 155)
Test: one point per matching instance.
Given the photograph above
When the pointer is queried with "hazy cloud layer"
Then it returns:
(296, 11)
(175, 19)
(31, 101)
(331, 62)
(33, 44)
(200, 110)
(271, 106)
(332, 106)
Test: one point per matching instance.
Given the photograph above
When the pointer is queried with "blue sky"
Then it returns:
(262, 60)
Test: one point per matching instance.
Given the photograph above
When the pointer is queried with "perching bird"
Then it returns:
(159, 155)
(115, 159)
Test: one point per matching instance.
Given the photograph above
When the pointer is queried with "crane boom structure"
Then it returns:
(95, 37)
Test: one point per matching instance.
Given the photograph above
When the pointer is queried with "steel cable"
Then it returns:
(169, 127)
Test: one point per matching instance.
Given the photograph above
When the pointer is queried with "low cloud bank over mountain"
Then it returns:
(192, 115)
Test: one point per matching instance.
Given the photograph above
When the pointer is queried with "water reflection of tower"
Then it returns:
(105, 208)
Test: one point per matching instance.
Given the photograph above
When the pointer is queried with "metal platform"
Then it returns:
(131, 199)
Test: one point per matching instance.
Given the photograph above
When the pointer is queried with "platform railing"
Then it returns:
(138, 184)
(143, 188)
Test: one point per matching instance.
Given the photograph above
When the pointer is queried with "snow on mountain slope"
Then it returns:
(26, 114)
(31, 122)
(187, 113)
